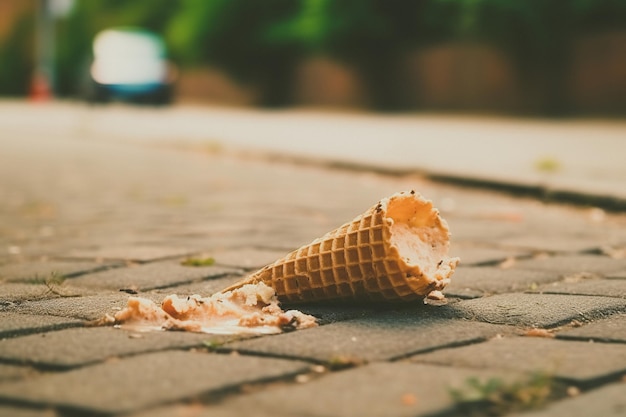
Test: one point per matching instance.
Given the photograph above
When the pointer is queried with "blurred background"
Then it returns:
(526, 57)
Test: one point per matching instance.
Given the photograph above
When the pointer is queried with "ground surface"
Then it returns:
(83, 217)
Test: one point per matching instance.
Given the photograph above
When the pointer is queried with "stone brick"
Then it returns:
(149, 276)
(603, 287)
(15, 293)
(86, 308)
(204, 288)
(40, 271)
(14, 372)
(575, 264)
(30, 250)
(612, 329)
(481, 231)
(284, 241)
(208, 410)
(247, 258)
(376, 337)
(12, 324)
(621, 274)
(557, 242)
(473, 282)
(130, 252)
(80, 346)
(578, 362)
(479, 255)
(148, 380)
(608, 401)
(540, 310)
(10, 411)
(329, 313)
(379, 389)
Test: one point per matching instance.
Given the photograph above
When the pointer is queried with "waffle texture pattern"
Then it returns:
(355, 261)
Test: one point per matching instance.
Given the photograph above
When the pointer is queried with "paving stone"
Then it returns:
(331, 313)
(481, 231)
(285, 241)
(14, 293)
(473, 282)
(379, 389)
(578, 362)
(15, 372)
(12, 324)
(608, 401)
(207, 410)
(477, 255)
(40, 271)
(80, 346)
(9, 411)
(86, 308)
(247, 258)
(31, 250)
(612, 329)
(19, 292)
(538, 310)
(146, 380)
(204, 288)
(554, 220)
(603, 287)
(617, 275)
(557, 242)
(377, 337)
(575, 264)
(131, 252)
(152, 275)
(217, 227)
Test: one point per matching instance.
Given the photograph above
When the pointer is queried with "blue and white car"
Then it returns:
(130, 64)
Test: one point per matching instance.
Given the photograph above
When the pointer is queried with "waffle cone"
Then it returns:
(396, 250)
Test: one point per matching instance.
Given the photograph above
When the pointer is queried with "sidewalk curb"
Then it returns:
(543, 193)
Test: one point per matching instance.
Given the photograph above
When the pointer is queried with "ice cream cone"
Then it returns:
(396, 250)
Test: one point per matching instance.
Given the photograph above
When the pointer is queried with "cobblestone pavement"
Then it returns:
(81, 219)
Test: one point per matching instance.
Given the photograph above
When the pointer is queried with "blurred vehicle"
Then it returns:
(130, 64)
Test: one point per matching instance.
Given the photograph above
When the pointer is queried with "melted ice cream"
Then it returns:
(422, 239)
(249, 309)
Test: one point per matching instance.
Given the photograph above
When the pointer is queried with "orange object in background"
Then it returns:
(40, 90)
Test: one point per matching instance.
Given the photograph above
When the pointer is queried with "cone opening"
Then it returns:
(418, 233)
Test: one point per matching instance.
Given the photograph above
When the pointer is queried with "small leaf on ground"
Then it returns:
(547, 164)
(197, 262)
(496, 397)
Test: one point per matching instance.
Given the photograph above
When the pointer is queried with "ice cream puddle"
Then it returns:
(395, 251)
(251, 309)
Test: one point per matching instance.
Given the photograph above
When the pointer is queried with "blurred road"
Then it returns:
(581, 158)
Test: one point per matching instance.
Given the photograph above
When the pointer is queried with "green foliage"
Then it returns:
(547, 164)
(310, 26)
(236, 35)
(190, 25)
(52, 279)
(495, 397)
(213, 345)
(16, 58)
(262, 42)
(198, 262)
